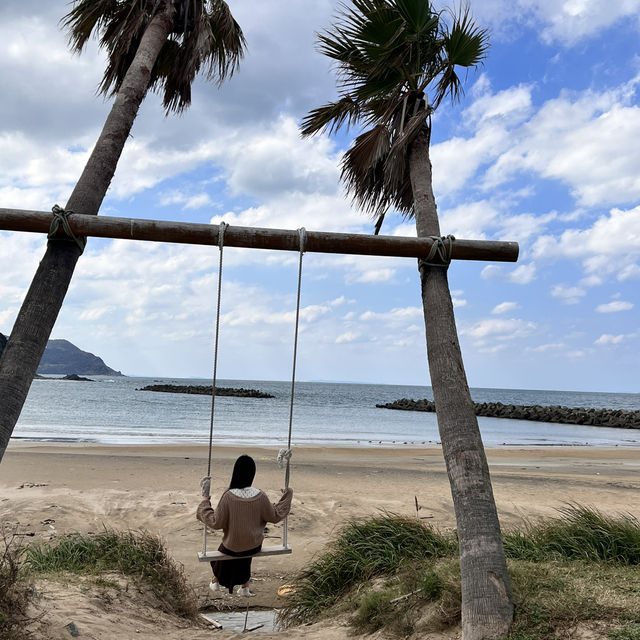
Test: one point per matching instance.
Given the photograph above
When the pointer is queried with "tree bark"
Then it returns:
(487, 610)
(44, 299)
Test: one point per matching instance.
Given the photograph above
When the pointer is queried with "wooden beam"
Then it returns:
(266, 551)
(254, 237)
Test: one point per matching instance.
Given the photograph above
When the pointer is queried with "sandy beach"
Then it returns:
(50, 490)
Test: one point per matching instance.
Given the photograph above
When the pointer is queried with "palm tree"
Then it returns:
(157, 44)
(396, 61)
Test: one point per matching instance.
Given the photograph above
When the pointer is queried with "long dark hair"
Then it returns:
(244, 470)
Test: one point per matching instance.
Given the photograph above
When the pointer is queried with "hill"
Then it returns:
(61, 357)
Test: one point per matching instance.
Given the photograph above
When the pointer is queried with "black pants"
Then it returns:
(233, 572)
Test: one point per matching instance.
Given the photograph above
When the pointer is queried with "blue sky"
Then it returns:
(542, 150)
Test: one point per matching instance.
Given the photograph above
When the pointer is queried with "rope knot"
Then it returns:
(440, 253)
(222, 227)
(61, 218)
(283, 454)
(302, 235)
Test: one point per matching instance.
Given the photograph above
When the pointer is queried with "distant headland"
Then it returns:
(61, 357)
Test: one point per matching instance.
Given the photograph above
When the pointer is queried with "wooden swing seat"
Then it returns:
(278, 550)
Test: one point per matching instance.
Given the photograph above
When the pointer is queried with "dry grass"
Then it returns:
(15, 590)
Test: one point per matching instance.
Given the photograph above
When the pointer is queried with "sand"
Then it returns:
(49, 490)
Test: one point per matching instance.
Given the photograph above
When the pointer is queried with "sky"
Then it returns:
(542, 150)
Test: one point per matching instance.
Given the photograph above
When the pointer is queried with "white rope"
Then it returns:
(206, 482)
(286, 453)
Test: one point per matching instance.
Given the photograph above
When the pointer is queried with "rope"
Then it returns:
(286, 453)
(61, 218)
(222, 227)
(440, 249)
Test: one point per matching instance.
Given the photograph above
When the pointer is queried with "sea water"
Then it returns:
(111, 410)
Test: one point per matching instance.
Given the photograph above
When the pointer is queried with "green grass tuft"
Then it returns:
(628, 632)
(580, 568)
(137, 554)
(375, 611)
(362, 550)
(580, 533)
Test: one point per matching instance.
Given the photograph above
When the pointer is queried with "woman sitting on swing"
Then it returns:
(242, 514)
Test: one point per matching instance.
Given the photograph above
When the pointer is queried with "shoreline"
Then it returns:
(26, 442)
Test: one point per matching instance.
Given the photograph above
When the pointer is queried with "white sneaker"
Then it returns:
(214, 586)
(244, 591)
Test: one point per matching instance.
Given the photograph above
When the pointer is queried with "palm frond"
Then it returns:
(363, 169)
(389, 55)
(213, 44)
(396, 163)
(331, 117)
(227, 42)
(86, 17)
(371, 147)
(205, 37)
(416, 13)
(464, 45)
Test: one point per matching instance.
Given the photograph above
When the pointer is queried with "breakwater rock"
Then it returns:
(77, 378)
(203, 390)
(617, 418)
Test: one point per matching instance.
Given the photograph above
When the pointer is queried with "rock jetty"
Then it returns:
(616, 418)
(203, 390)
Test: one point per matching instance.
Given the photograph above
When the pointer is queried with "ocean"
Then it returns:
(112, 411)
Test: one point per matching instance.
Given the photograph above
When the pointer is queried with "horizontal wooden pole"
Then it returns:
(255, 237)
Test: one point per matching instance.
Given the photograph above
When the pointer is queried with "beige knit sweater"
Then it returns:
(242, 520)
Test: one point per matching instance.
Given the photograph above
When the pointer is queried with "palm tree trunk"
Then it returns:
(487, 611)
(44, 299)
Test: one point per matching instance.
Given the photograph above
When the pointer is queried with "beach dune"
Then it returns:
(48, 490)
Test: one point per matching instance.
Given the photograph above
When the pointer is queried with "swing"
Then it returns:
(284, 548)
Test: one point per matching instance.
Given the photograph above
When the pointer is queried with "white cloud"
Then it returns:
(468, 220)
(512, 105)
(374, 275)
(348, 336)
(184, 200)
(492, 115)
(278, 160)
(571, 20)
(610, 246)
(523, 274)
(500, 329)
(505, 307)
(520, 227)
(551, 346)
(585, 140)
(564, 22)
(607, 338)
(567, 295)
(614, 307)
(395, 316)
(491, 272)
